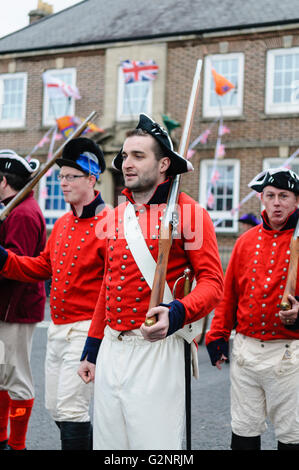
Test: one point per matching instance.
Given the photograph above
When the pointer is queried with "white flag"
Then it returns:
(57, 87)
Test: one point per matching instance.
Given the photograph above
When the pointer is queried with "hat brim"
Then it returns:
(63, 162)
(178, 164)
(280, 179)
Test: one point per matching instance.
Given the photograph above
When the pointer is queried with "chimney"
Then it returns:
(43, 9)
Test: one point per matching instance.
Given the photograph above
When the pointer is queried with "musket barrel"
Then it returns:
(30, 185)
(165, 240)
(290, 288)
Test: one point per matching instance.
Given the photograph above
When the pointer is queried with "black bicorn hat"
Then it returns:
(249, 219)
(178, 164)
(12, 163)
(281, 178)
(84, 155)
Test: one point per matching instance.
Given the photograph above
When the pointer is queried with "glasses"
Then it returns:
(69, 178)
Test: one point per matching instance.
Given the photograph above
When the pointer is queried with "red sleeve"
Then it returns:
(98, 324)
(224, 318)
(202, 251)
(27, 268)
(19, 241)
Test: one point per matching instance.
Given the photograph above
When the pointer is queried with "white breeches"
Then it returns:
(15, 369)
(139, 398)
(67, 396)
(265, 382)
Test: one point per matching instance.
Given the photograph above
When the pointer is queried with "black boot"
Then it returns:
(75, 436)
(282, 446)
(245, 443)
(3, 445)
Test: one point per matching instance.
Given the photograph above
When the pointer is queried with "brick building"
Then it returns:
(253, 44)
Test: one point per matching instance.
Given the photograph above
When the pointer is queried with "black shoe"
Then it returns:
(10, 448)
(3, 445)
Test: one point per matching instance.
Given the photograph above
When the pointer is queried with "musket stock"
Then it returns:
(290, 288)
(30, 185)
(167, 225)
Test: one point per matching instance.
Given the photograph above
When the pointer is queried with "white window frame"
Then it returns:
(147, 109)
(233, 110)
(42, 203)
(47, 120)
(13, 123)
(204, 183)
(279, 108)
(276, 162)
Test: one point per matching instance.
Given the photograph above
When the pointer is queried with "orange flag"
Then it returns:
(222, 85)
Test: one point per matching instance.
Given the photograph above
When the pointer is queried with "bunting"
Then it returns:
(68, 124)
(236, 209)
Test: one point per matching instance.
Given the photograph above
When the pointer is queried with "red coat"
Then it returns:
(124, 297)
(254, 284)
(74, 257)
(23, 232)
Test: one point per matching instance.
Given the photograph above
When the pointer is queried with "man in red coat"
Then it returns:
(139, 375)
(21, 304)
(74, 259)
(265, 354)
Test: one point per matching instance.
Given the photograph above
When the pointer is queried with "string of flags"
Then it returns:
(236, 209)
(66, 125)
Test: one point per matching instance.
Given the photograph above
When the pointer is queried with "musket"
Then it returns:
(30, 185)
(290, 288)
(170, 219)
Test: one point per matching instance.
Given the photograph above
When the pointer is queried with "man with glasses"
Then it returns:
(74, 259)
(265, 354)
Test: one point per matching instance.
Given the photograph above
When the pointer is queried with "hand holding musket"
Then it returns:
(167, 225)
(290, 288)
(30, 185)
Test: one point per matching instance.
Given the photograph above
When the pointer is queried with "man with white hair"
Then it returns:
(265, 354)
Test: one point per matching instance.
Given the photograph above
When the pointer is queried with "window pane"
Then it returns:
(286, 72)
(136, 97)
(223, 189)
(54, 200)
(13, 97)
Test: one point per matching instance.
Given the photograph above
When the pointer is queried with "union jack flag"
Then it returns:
(135, 71)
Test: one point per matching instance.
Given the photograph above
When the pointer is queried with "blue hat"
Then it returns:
(249, 219)
(83, 154)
